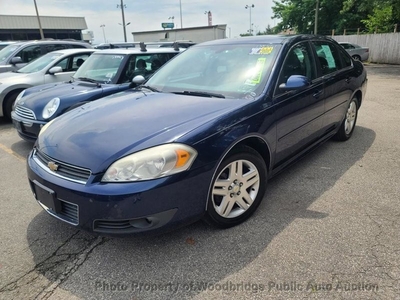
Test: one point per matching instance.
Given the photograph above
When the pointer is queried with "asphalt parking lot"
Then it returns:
(328, 228)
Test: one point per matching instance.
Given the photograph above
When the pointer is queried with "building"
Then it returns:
(195, 34)
(21, 28)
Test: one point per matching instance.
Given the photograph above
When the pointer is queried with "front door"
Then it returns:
(298, 113)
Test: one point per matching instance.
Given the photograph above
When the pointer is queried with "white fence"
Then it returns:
(383, 48)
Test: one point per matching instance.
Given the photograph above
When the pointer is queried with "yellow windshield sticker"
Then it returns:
(256, 72)
(264, 50)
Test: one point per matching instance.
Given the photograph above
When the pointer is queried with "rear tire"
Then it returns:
(356, 57)
(237, 188)
(349, 123)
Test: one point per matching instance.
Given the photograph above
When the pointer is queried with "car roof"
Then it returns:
(7, 42)
(137, 50)
(50, 42)
(72, 51)
(262, 39)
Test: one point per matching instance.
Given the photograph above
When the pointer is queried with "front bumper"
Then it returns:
(27, 129)
(122, 208)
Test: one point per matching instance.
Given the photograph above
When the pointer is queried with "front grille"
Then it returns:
(25, 113)
(64, 170)
(69, 212)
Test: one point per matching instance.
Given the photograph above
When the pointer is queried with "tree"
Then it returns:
(336, 14)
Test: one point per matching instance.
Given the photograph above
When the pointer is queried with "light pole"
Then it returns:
(206, 13)
(180, 11)
(316, 18)
(38, 18)
(250, 7)
(124, 25)
(122, 6)
(104, 33)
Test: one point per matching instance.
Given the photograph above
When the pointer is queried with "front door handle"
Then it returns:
(317, 94)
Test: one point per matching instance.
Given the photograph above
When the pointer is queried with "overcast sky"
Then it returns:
(148, 15)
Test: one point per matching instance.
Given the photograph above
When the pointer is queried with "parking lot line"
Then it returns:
(11, 152)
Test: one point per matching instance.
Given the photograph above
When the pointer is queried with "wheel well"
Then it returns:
(7, 96)
(258, 145)
(358, 95)
(10, 93)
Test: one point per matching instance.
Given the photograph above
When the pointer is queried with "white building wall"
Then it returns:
(195, 34)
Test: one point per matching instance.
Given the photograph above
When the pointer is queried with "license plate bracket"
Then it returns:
(47, 197)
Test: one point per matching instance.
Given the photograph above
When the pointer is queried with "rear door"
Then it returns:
(336, 68)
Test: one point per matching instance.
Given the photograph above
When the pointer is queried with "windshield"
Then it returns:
(233, 71)
(100, 67)
(7, 51)
(39, 63)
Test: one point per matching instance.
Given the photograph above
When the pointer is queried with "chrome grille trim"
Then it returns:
(69, 212)
(24, 112)
(65, 171)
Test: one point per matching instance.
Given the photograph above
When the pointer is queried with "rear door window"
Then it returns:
(328, 57)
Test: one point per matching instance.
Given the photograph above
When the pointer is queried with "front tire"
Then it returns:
(237, 188)
(349, 123)
(8, 104)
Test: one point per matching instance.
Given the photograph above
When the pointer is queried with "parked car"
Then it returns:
(356, 52)
(106, 72)
(53, 67)
(17, 55)
(200, 139)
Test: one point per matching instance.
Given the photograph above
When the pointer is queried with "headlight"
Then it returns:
(20, 95)
(151, 163)
(50, 108)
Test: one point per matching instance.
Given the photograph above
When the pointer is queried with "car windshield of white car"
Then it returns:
(218, 71)
(39, 63)
(101, 68)
(7, 51)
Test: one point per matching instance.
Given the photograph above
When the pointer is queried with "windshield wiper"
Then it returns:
(149, 88)
(201, 94)
(87, 79)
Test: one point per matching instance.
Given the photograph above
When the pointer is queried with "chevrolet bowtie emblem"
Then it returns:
(52, 165)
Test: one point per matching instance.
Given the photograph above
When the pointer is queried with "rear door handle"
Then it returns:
(348, 79)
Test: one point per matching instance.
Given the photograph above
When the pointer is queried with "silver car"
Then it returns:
(356, 52)
(55, 66)
(16, 55)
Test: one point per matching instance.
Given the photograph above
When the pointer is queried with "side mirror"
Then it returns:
(138, 79)
(54, 70)
(295, 82)
(16, 60)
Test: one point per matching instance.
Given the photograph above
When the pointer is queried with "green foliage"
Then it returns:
(380, 20)
(337, 14)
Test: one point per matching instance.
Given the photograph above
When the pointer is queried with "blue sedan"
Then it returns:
(198, 140)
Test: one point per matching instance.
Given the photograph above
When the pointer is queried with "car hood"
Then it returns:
(96, 134)
(69, 93)
(12, 77)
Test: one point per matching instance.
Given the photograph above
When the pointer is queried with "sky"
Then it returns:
(148, 15)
